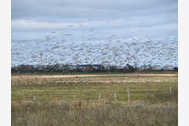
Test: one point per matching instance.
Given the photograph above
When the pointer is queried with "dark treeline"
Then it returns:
(58, 68)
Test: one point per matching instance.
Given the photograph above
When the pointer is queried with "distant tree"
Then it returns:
(130, 68)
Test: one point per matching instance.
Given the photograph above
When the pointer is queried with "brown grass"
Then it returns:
(72, 100)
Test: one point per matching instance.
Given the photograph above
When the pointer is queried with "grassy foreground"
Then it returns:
(105, 100)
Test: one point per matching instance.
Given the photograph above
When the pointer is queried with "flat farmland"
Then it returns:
(95, 100)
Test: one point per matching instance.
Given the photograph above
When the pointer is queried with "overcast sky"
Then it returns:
(153, 18)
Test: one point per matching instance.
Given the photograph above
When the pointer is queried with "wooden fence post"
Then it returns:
(99, 96)
(34, 99)
(115, 96)
(170, 91)
(128, 95)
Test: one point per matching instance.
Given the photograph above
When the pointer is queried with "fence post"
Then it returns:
(128, 95)
(80, 95)
(115, 96)
(34, 99)
(170, 91)
(99, 96)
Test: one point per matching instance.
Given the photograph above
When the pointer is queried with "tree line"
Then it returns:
(89, 68)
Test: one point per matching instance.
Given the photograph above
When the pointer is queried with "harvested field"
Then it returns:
(109, 78)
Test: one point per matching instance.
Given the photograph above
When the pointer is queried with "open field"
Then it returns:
(95, 100)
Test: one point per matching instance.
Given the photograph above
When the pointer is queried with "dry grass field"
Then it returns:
(95, 100)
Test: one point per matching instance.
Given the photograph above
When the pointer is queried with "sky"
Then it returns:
(34, 19)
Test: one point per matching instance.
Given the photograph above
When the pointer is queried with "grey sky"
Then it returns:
(157, 18)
